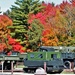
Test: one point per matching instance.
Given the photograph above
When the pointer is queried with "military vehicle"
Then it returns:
(7, 60)
(56, 59)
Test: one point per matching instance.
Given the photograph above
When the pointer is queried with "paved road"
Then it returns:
(20, 73)
(15, 73)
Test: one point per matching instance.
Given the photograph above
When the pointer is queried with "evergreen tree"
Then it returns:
(19, 14)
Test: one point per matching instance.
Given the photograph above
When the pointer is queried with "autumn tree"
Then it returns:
(4, 31)
(59, 20)
(34, 34)
(68, 14)
(15, 46)
(62, 23)
(49, 37)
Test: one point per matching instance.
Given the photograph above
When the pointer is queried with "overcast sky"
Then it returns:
(6, 4)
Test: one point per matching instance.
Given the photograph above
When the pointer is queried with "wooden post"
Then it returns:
(45, 66)
(11, 67)
(2, 65)
(16, 64)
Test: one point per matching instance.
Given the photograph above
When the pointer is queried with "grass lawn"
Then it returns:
(19, 65)
(67, 72)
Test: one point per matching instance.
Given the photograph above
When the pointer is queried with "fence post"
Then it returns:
(11, 67)
(2, 65)
(45, 66)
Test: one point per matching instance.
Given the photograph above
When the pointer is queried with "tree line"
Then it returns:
(31, 24)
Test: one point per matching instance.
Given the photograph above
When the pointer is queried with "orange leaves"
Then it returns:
(4, 22)
(46, 19)
(2, 47)
(49, 38)
(58, 22)
(50, 42)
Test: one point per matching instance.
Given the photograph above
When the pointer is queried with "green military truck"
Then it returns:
(56, 59)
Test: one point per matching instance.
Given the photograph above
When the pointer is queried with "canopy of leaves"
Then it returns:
(4, 31)
(58, 22)
(35, 23)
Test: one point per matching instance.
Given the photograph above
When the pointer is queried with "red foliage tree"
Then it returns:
(16, 46)
(48, 35)
(49, 10)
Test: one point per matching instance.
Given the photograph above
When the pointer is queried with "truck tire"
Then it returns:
(67, 64)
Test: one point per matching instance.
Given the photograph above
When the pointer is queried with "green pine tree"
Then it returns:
(19, 14)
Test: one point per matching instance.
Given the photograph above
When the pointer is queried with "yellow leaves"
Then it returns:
(58, 12)
(67, 41)
(52, 42)
(29, 50)
(4, 22)
(50, 39)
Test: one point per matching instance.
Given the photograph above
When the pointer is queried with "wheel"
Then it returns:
(67, 64)
(25, 70)
(8, 67)
(48, 70)
(5, 65)
(0, 67)
(60, 71)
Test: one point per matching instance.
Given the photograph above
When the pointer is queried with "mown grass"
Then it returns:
(67, 72)
(19, 66)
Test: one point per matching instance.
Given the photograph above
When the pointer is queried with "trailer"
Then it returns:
(8, 61)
